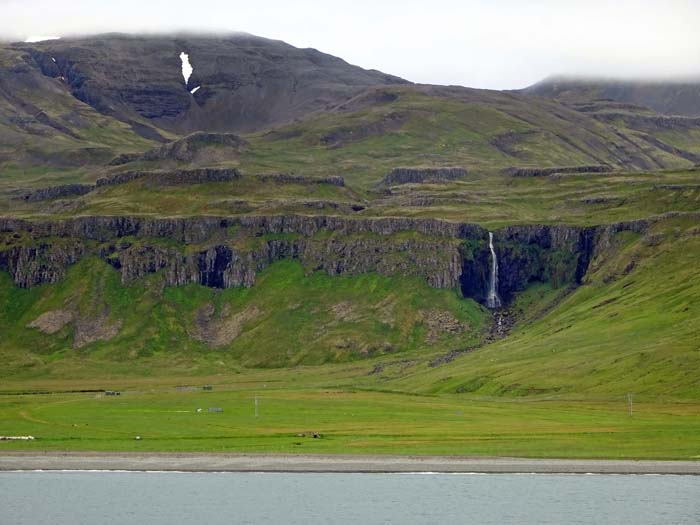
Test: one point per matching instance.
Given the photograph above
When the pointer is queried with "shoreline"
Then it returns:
(230, 462)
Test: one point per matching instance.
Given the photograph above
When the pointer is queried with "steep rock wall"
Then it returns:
(225, 252)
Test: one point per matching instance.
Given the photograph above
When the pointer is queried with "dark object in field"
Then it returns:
(314, 435)
(112, 393)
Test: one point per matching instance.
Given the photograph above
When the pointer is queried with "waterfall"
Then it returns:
(492, 299)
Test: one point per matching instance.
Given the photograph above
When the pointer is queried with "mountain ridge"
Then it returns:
(672, 96)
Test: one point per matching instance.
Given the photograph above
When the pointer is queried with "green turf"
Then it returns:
(348, 422)
(556, 387)
(484, 132)
(287, 318)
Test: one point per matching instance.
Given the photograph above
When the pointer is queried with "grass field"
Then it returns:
(348, 421)
(286, 319)
(556, 387)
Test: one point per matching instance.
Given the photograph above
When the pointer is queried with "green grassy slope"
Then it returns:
(485, 132)
(286, 319)
(556, 387)
(481, 130)
(634, 326)
(631, 327)
(490, 200)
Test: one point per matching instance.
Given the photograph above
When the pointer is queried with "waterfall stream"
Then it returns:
(492, 299)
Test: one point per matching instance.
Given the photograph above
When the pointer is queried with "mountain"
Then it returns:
(681, 97)
(239, 82)
(284, 208)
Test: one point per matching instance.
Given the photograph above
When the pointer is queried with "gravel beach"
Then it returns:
(336, 463)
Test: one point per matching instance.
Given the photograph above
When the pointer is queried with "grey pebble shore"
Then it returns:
(198, 462)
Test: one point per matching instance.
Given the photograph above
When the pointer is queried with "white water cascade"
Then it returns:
(492, 299)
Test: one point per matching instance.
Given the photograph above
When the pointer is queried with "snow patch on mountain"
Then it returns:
(186, 66)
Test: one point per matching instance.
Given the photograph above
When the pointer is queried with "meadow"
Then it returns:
(346, 421)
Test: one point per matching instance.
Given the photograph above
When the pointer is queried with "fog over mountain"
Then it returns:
(502, 44)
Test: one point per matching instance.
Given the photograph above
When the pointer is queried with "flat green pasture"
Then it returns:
(347, 421)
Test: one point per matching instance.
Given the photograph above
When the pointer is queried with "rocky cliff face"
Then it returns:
(41, 262)
(419, 175)
(543, 172)
(54, 192)
(290, 178)
(223, 252)
(173, 177)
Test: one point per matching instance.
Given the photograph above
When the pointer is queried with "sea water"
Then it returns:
(212, 498)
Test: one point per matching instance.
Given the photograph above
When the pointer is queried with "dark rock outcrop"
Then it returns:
(156, 178)
(55, 192)
(173, 177)
(543, 172)
(641, 121)
(185, 149)
(420, 175)
(290, 178)
(43, 262)
(332, 205)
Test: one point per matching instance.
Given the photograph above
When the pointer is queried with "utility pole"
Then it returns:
(629, 403)
(256, 405)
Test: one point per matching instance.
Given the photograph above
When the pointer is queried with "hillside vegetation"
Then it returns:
(316, 235)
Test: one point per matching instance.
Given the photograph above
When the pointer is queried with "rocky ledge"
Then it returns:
(185, 149)
(154, 178)
(224, 252)
(290, 178)
(173, 177)
(420, 175)
(55, 192)
(544, 172)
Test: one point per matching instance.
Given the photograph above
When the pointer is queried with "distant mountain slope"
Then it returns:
(243, 82)
(75, 110)
(670, 98)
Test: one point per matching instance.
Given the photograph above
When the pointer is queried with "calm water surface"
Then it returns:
(172, 498)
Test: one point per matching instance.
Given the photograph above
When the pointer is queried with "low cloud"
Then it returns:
(493, 44)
